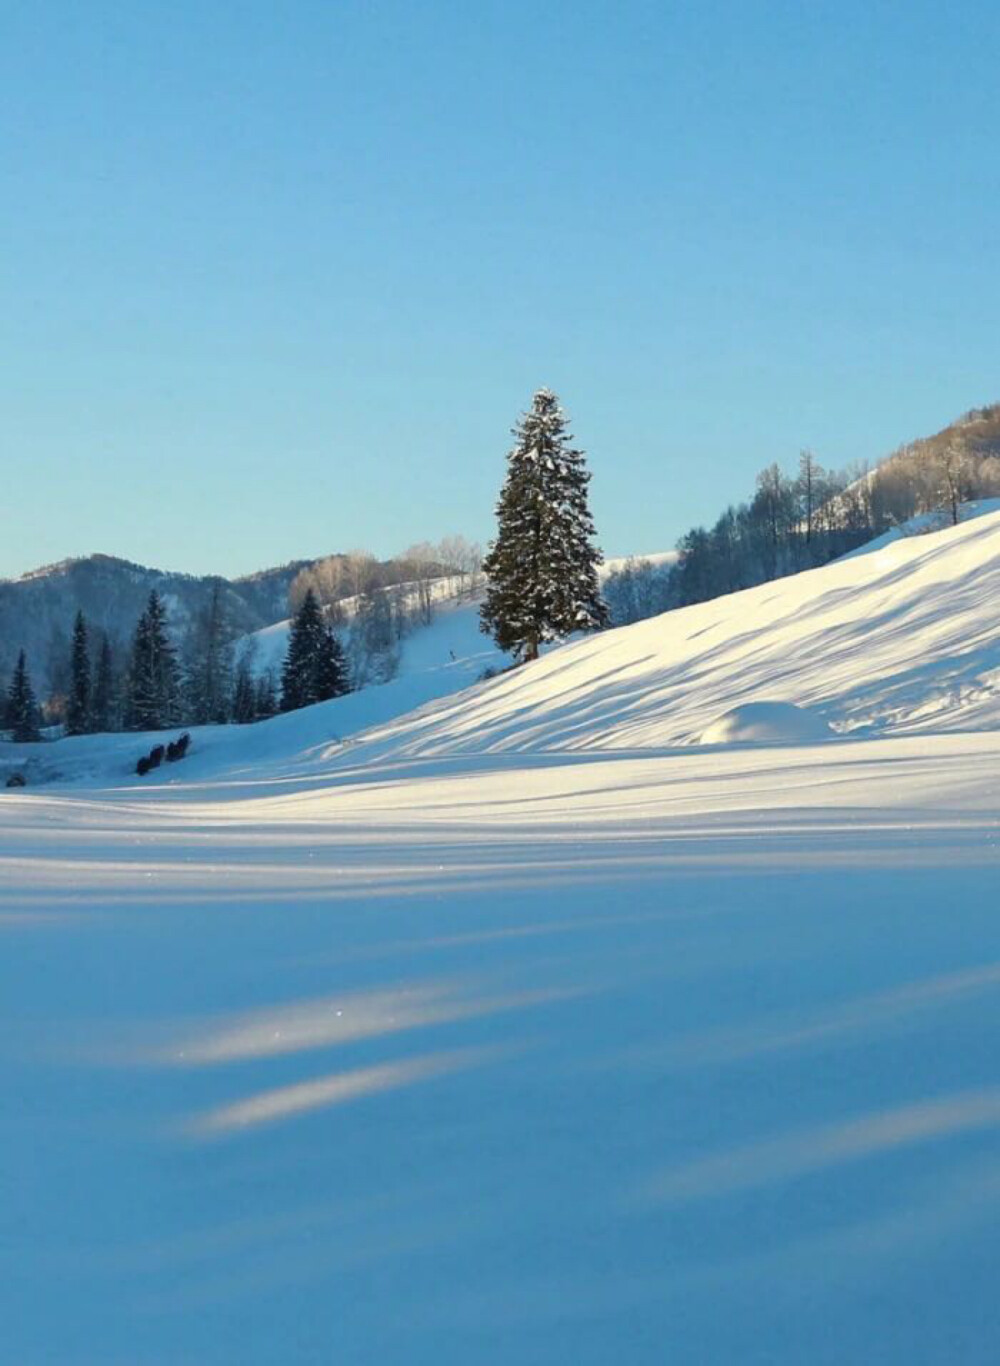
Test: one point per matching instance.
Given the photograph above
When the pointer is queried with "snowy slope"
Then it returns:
(904, 638)
(428, 671)
(925, 523)
(421, 649)
(270, 644)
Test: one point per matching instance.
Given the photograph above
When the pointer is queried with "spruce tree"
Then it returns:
(153, 678)
(541, 570)
(78, 717)
(102, 704)
(314, 666)
(22, 710)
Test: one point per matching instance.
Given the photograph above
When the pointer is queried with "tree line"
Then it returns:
(802, 521)
(215, 680)
(154, 690)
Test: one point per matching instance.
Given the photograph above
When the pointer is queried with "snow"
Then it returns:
(926, 522)
(762, 723)
(522, 1029)
(903, 639)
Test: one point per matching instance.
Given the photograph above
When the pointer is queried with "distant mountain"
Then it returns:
(37, 609)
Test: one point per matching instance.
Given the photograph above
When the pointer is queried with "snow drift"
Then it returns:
(766, 723)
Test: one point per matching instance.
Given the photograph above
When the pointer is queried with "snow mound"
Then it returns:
(766, 723)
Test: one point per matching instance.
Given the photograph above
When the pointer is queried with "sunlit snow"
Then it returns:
(521, 1027)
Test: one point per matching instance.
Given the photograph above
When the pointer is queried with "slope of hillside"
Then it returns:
(269, 645)
(925, 523)
(443, 658)
(905, 638)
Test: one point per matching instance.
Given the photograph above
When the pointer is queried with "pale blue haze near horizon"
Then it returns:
(277, 280)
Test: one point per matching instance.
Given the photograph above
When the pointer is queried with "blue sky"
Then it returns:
(277, 279)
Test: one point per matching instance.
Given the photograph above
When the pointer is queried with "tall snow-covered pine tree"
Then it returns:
(541, 570)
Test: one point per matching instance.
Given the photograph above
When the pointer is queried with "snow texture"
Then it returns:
(518, 1029)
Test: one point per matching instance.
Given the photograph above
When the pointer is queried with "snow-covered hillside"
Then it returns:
(447, 595)
(445, 657)
(425, 647)
(905, 638)
(926, 523)
(519, 1028)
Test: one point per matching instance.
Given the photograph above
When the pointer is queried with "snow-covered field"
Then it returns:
(523, 1028)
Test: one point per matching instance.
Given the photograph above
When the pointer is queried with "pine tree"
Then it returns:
(314, 667)
(153, 679)
(541, 570)
(78, 717)
(22, 710)
(102, 704)
(303, 646)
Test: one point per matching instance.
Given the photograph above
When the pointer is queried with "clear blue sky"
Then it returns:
(276, 279)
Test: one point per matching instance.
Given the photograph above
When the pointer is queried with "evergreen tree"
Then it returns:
(314, 668)
(78, 717)
(541, 570)
(153, 679)
(22, 709)
(102, 705)
(297, 688)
